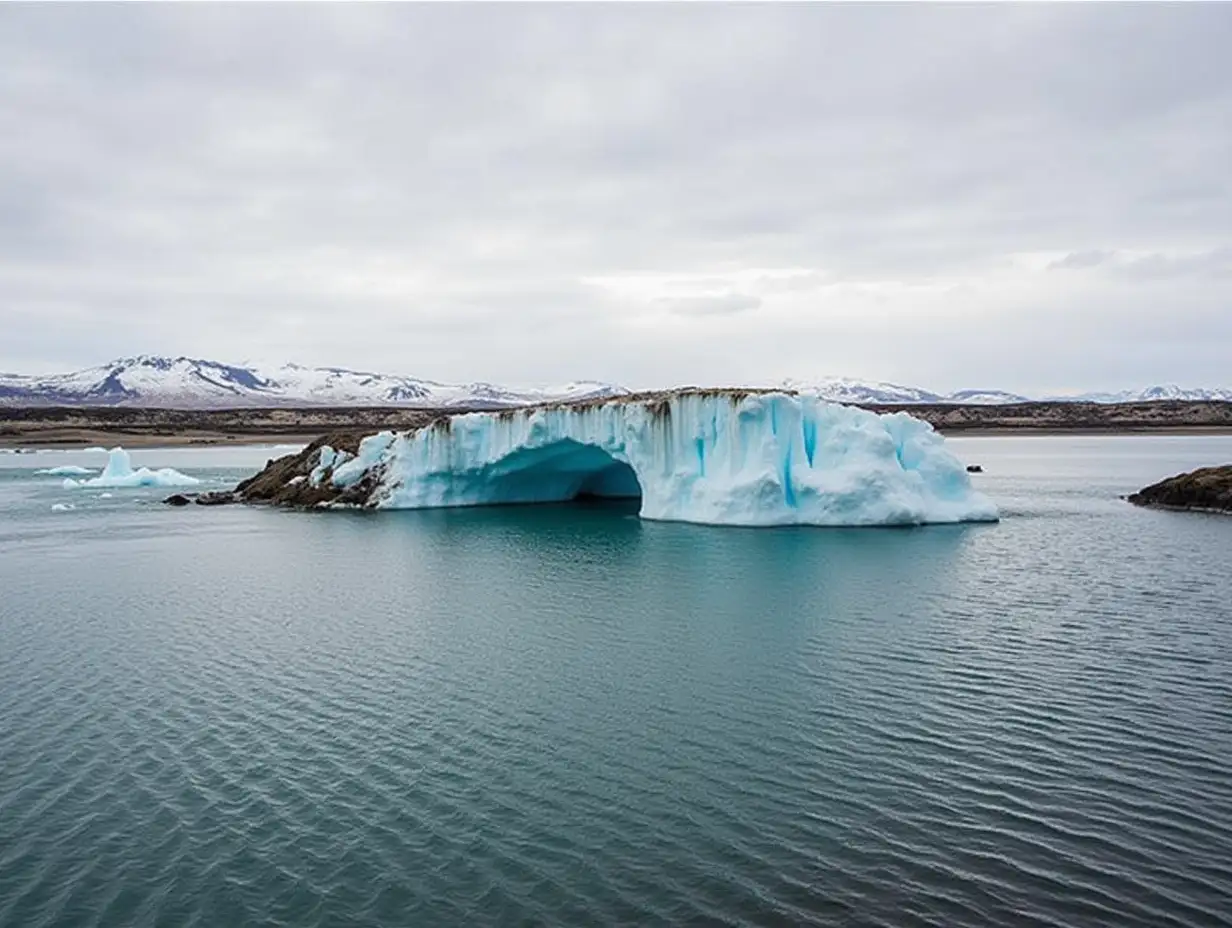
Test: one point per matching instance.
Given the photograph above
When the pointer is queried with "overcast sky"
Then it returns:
(1035, 198)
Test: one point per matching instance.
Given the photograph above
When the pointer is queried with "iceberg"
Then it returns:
(66, 470)
(119, 473)
(713, 457)
(62, 507)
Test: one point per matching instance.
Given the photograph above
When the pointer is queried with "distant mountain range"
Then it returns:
(192, 383)
(846, 390)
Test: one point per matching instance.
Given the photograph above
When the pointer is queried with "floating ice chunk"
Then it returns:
(105, 495)
(67, 470)
(712, 457)
(371, 450)
(119, 473)
(62, 507)
(327, 457)
(95, 449)
(325, 460)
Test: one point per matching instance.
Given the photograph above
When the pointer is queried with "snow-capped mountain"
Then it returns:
(146, 380)
(984, 397)
(846, 390)
(193, 383)
(1168, 391)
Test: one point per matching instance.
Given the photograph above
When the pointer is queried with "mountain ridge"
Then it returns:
(195, 383)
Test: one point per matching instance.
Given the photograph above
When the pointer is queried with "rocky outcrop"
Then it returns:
(286, 481)
(1208, 489)
(215, 498)
(212, 498)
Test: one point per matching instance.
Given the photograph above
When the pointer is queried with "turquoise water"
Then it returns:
(561, 715)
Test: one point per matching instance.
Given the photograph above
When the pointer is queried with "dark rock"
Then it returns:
(215, 498)
(974, 469)
(285, 481)
(177, 499)
(1207, 489)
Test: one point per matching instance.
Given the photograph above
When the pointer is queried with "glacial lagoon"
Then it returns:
(564, 715)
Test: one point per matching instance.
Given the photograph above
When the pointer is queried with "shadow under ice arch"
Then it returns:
(560, 471)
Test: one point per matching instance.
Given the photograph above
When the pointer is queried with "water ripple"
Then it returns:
(570, 717)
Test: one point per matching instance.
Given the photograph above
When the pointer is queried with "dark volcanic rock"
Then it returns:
(177, 499)
(285, 481)
(1208, 489)
(215, 498)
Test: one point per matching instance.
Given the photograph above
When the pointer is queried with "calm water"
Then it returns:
(564, 716)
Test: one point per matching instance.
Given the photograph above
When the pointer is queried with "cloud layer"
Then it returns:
(1032, 197)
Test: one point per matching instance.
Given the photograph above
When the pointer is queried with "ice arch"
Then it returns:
(555, 472)
(719, 457)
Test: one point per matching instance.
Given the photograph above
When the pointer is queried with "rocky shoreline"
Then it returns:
(134, 427)
(284, 481)
(1207, 489)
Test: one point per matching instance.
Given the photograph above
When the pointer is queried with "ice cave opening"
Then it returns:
(561, 471)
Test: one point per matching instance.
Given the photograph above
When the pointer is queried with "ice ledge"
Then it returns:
(716, 457)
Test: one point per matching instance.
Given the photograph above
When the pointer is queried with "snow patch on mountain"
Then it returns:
(985, 397)
(872, 392)
(847, 390)
(1152, 394)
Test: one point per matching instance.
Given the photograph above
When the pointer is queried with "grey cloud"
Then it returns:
(1079, 260)
(426, 188)
(721, 305)
(1214, 263)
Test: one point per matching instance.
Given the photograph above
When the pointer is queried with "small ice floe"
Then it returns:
(62, 507)
(119, 473)
(66, 470)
